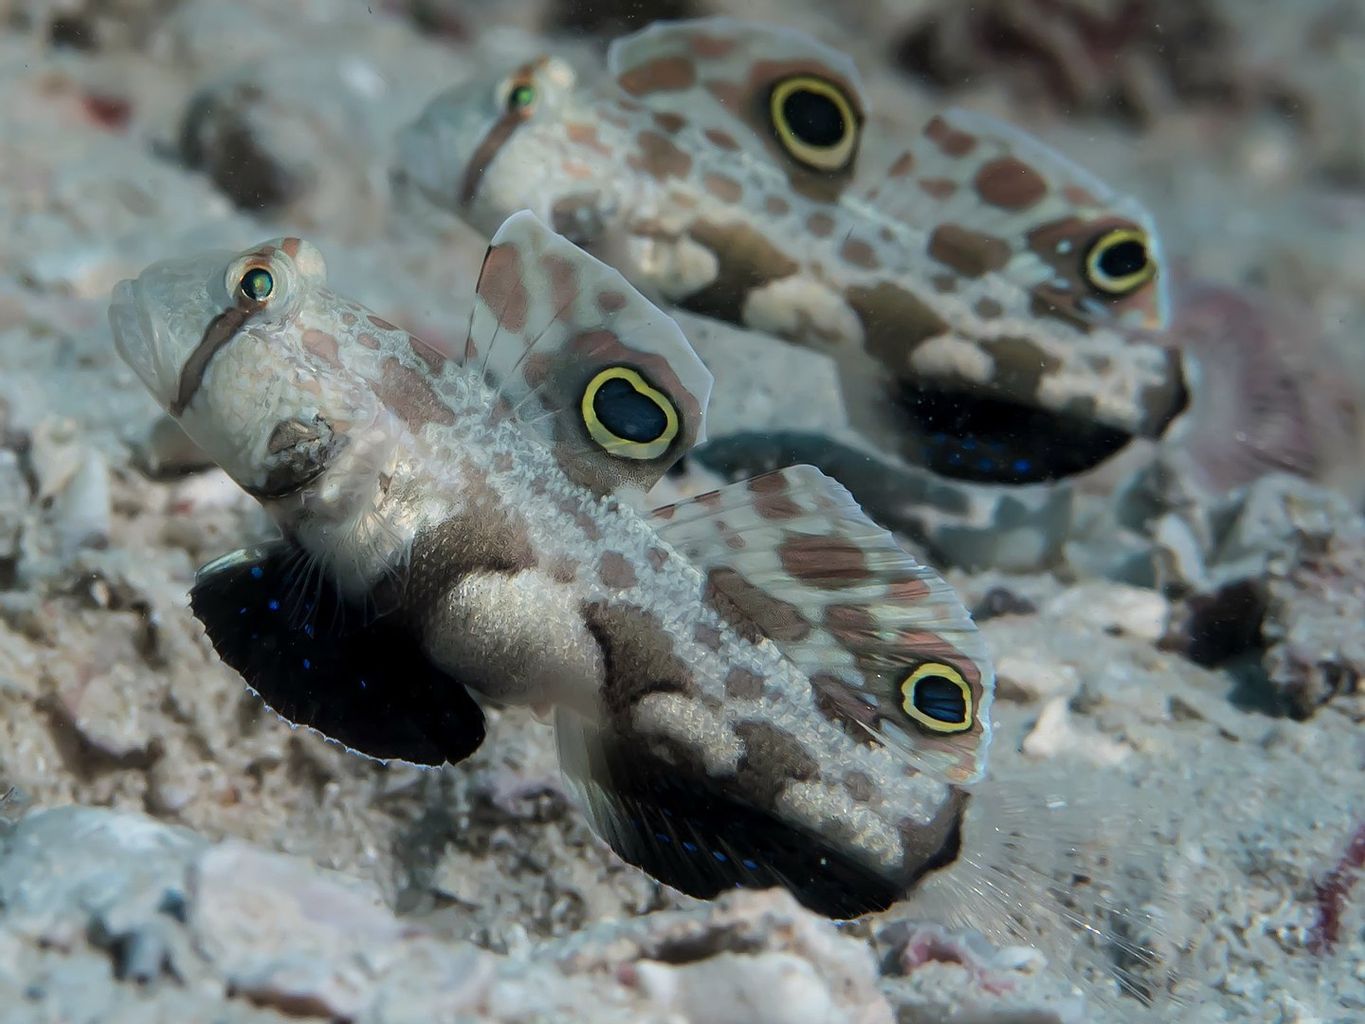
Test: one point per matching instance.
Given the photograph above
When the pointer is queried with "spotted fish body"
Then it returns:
(753, 687)
(1006, 296)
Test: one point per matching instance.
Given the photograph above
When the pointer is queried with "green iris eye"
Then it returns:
(521, 97)
(257, 284)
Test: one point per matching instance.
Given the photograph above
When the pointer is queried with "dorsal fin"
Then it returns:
(885, 640)
(977, 183)
(768, 96)
(583, 360)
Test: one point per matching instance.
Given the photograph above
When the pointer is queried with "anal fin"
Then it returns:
(686, 831)
(358, 680)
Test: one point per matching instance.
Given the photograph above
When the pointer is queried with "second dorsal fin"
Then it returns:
(884, 640)
(583, 360)
(773, 98)
(988, 193)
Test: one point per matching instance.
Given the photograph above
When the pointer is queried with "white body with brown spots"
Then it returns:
(761, 639)
(971, 267)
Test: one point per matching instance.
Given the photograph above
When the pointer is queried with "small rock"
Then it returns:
(1033, 675)
(166, 451)
(1056, 733)
(82, 513)
(1000, 601)
(107, 710)
(1115, 608)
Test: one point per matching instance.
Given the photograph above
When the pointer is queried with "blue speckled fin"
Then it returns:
(984, 179)
(686, 831)
(583, 360)
(884, 639)
(316, 662)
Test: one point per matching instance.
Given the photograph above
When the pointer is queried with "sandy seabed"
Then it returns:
(174, 852)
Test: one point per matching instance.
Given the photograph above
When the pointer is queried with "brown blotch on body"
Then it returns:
(434, 360)
(581, 517)
(821, 225)
(586, 135)
(1009, 183)
(563, 569)
(830, 563)
(663, 74)
(657, 557)
(381, 323)
(776, 206)
(484, 536)
(1020, 365)
(708, 636)
(938, 188)
(989, 309)
(609, 301)
(903, 165)
(721, 139)
(615, 571)
(859, 786)
(638, 656)
(502, 287)
(323, 345)
(726, 189)
(742, 684)
(773, 759)
(367, 339)
(949, 140)
(860, 254)
(746, 260)
(751, 612)
(659, 157)
(970, 253)
(895, 322)
(410, 396)
(669, 122)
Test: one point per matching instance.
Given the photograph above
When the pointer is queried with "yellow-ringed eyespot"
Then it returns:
(1120, 261)
(814, 121)
(257, 284)
(628, 416)
(937, 697)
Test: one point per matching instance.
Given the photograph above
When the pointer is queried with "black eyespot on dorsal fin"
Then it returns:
(319, 662)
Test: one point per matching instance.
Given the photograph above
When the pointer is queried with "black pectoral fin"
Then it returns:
(319, 662)
(687, 832)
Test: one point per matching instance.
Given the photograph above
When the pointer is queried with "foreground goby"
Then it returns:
(753, 687)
